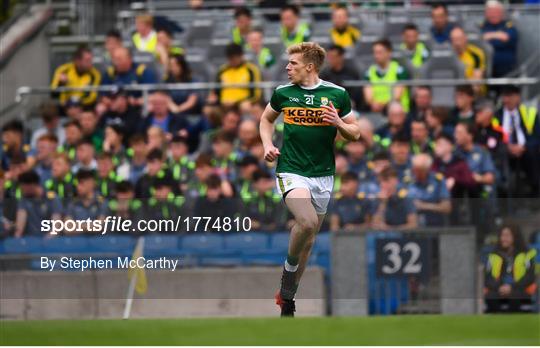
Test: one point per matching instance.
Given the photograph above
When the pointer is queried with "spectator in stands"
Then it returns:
(214, 203)
(436, 120)
(156, 138)
(397, 123)
(343, 33)
(179, 161)
(464, 109)
(510, 283)
(263, 206)
(521, 126)
(137, 157)
(164, 48)
(441, 27)
(472, 57)
(85, 156)
(8, 209)
(106, 178)
(125, 205)
(385, 70)
(337, 70)
(113, 143)
(145, 38)
(90, 130)
(44, 154)
(342, 167)
(61, 183)
(248, 136)
(242, 27)
(420, 140)
(73, 108)
(488, 133)
(394, 209)
(224, 157)
(164, 203)
(415, 49)
(13, 143)
(80, 72)
(429, 193)
(73, 137)
(122, 112)
(263, 57)
(87, 205)
(51, 124)
(34, 207)
(292, 30)
(124, 72)
(162, 117)
(358, 157)
(478, 159)
(113, 40)
(502, 35)
(459, 178)
(422, 103)
(236, 70)
(400, 152)
(182, 101)
(155, 168)
(17, 166)
(350, 209)
(247, 166)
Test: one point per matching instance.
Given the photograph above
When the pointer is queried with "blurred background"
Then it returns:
(150, 110)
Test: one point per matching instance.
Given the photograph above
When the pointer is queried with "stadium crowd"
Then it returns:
(198, 153)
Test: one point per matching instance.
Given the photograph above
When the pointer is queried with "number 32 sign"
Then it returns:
(398, 257)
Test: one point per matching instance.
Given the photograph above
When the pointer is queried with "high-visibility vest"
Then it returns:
(383, 93)
(301, 32)
(522, 262)
(265, 58)
(417, 58)
(237, 37)
(147, 45)
(528, 117)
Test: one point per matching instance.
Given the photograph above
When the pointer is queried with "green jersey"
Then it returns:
(308, 141)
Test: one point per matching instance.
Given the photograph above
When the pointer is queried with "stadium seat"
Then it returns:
(200, 32)
(246, 241)
(216, 261)
(24, 245)
(203, 244)
(72, 244)
(393, 28)
(279, 242)
(442, 65)
(162, 245)
(123, 245)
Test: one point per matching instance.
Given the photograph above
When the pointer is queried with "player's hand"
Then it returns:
(271, 153)
(330, 114)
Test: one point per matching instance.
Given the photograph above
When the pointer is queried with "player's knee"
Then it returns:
(308, 225)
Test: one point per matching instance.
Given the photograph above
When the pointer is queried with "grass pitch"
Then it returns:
(391, 330)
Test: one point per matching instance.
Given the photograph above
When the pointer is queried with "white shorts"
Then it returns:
(319, 187)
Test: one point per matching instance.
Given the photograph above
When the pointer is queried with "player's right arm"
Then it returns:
(266, 130)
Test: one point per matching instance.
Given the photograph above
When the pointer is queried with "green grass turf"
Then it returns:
(391, 330)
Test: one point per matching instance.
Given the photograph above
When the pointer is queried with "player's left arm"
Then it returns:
(347, 126)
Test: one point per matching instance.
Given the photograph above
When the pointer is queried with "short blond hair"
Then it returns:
(146, 19)
(311, 53)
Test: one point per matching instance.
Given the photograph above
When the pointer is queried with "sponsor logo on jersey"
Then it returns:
(304, 116)
(324, 101)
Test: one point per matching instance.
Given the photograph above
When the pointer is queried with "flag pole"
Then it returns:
(129, 297)
(133, 281)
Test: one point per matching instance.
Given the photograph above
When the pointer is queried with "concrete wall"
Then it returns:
(211, 292)
(29, 66)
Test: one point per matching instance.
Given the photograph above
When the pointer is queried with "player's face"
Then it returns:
(297, 70)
